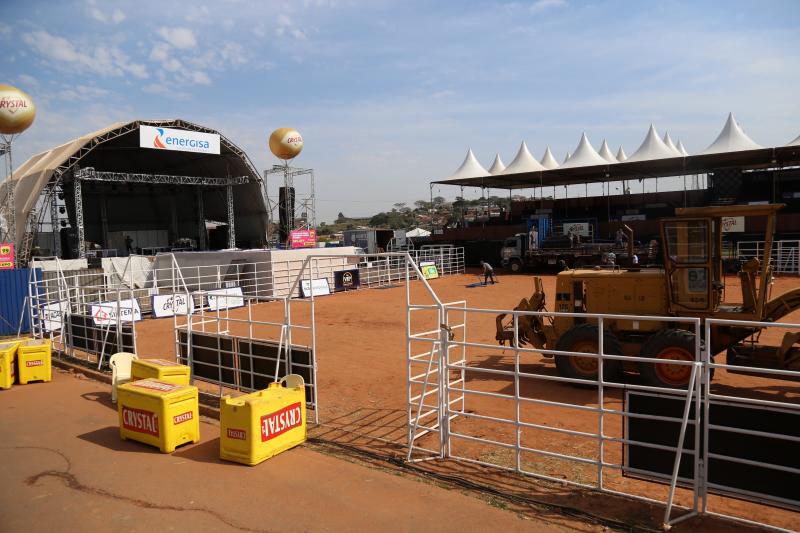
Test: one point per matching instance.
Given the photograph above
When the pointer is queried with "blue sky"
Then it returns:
(389, 95)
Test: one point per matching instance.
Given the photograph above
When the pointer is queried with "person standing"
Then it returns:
(128, 244)
(488, 273)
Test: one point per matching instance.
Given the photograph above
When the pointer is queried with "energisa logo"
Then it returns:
(178, 140)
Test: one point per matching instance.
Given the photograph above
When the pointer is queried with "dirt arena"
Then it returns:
(361, 357)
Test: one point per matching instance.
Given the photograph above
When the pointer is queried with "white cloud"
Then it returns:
(115, 17)
(541, 5)
(81, 93)
(26, 79)
(200, 77)
(180, 38)
(101, 59)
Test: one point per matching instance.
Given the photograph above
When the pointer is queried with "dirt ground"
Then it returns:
(63, 467)
(361, 356)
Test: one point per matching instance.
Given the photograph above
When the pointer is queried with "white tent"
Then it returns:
(795, 142)
(585, 155)
(566, 158)
(549, 162)
(470, 168)
(524, 162)
(731, 139)
(621, 155)
(652, 147)
(418, 232)
(605, 153)
(497, 166)
(682, 149)
(671, 145)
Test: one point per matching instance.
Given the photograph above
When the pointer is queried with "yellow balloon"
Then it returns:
(285, 143)
(16, 110)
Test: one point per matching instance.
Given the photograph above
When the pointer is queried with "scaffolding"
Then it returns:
(303, 203)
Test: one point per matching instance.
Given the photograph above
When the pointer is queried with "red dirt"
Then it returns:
(362, 394)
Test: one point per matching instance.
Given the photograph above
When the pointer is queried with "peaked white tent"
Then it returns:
(584, 155)
(670, 144)
(605, 153)
(549, 162)
(795, 142)
(731, 139)
(652, 147)
(566, 158)
(621, 155)
(524, 162)
(497, 165)
(418, 232)
(682, 149)
(470, 168)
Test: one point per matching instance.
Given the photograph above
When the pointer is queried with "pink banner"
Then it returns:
(6, 256)
(303, 238)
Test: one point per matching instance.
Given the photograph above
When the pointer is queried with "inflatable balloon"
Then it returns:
(286, 143)
(16, 110)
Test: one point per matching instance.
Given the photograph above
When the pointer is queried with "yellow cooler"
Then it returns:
(8, 371)
(256, 426)
(33, 361)
(160, 369)
(164, 415)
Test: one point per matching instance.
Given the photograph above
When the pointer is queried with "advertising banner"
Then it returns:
(732, 224)
(303, 238)
(319, 286)
(53, 315)
(225, 298)
(346, 280)
(429, 270)
(165, 305)
(6, 256)
(577, 228)
(105, 313)
(178, 140)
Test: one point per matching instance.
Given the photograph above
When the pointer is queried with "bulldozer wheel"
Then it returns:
(583, 338)
(675, 344)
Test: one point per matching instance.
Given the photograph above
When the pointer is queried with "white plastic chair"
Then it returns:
(120, 370)
(292, 381)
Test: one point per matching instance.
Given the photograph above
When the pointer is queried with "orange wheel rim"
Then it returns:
(584, 365)
(674, 374)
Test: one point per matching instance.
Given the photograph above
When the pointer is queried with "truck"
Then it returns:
(691, 283)
(517, 252)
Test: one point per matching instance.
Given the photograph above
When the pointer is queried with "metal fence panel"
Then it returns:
(13, 292)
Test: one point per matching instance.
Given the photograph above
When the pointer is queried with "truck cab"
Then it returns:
(513, 252)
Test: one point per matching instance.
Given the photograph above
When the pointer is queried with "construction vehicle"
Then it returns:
(690, 284)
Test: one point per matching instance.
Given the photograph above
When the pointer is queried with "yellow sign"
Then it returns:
(429, 270)
(16, 110)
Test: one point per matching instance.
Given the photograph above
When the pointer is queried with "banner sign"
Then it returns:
(577, 228)
(165, 305)
(53, 314)
(732, 224)
(106, 313)
(429, 270)
(178, 140)
(346, 280)
(6, 256)
(319, 286)
(626, 218)
(303, 238)
(225, 298)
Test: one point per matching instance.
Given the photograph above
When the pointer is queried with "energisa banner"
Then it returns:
(105, 313)
(178, 140)
(225, 298)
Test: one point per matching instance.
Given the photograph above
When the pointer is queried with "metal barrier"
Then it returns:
(507, 408)
(785, 254)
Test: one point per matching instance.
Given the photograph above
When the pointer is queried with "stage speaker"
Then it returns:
(285, 212)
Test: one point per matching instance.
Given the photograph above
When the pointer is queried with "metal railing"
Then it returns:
(785, 254)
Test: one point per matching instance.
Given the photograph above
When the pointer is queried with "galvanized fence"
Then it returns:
(506, 407)
(785, 254)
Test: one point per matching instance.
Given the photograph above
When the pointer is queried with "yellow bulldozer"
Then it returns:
(690, 284)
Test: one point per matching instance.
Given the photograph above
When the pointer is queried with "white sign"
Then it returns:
(577, 228)
(626, 218)
(319, 286)
(165, 305)
(106, 313)
(225, 298)
(178, 140)
(732, 224)
(52, 315)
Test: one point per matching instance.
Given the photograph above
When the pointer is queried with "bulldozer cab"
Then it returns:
(692, 244)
